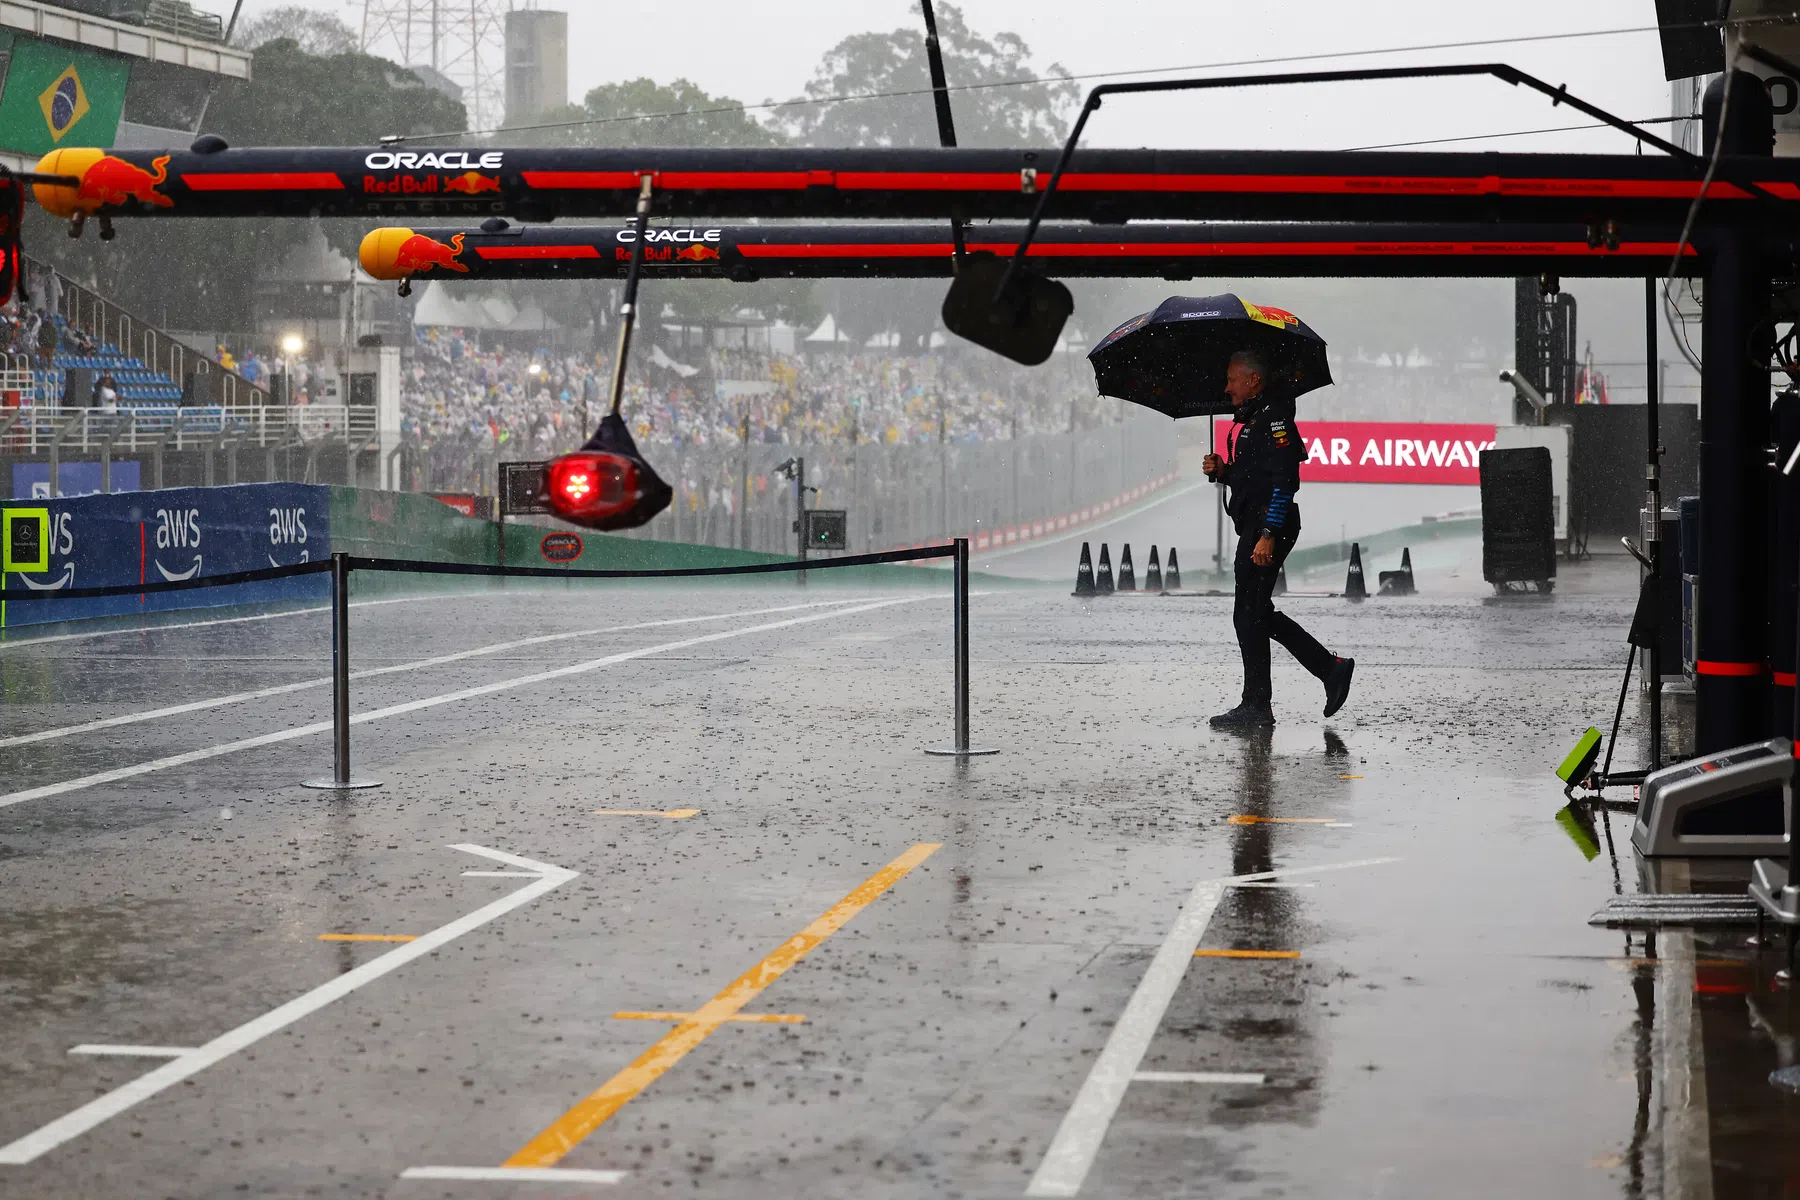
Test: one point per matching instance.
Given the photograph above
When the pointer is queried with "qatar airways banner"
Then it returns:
(1387, 452)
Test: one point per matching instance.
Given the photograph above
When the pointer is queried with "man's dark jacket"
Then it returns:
(1264, 472)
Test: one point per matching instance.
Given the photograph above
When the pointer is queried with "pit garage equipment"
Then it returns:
(1726, 805)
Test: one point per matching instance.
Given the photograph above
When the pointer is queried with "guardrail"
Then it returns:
(56, 431)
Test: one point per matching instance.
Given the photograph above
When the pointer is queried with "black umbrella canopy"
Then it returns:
(1173, 358)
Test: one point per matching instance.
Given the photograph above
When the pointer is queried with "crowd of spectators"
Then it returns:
(462, 400)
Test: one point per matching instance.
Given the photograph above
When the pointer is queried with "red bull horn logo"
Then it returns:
(113, 181)
(421, 253)
(698, 253)
(472, 183)
(1279, 318)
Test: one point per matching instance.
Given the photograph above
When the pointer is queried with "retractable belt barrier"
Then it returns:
(341, 565)
(178, 585)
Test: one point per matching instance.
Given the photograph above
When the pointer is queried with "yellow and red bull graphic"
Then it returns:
(106, 182)
(402, 253)
(1278, 317)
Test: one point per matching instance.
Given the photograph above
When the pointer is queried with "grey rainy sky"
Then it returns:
(766, 50)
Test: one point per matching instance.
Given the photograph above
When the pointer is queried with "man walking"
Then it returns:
(1262, 477)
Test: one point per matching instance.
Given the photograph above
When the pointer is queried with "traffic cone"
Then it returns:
(1153, 574)
(1399, 583)
(1084, 573)
(1172, 577)
(1103, 579)
(1280, 582)
(1127, 577)
(1354, 587)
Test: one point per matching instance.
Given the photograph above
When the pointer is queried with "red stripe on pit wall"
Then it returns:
(1729, 669)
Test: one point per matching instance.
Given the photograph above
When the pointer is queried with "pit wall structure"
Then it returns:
(186, 533)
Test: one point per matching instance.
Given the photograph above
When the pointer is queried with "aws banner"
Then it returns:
(178, 533)
(1388, 452)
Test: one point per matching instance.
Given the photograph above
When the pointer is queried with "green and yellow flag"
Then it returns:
(56, 95)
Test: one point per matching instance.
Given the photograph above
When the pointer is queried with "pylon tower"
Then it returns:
(461, 41)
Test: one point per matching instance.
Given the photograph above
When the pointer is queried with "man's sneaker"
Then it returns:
(1337, 685)
(1245, 716)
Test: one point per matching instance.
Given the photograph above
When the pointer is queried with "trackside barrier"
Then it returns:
(340, 566)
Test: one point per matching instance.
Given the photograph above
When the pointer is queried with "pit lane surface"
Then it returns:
(961, 944)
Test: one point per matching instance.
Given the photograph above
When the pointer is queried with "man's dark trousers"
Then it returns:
(1257, 621)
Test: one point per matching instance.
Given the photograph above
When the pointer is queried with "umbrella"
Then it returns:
(1173, 358)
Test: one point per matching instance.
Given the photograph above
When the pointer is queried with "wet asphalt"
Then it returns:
(1448, 1024)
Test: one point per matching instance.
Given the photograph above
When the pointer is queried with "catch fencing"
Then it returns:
(903, 495)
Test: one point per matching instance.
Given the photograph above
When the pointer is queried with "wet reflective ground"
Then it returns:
(801, 958)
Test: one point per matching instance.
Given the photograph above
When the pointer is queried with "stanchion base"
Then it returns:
(1770, 888)
(953, 752)
(332, 785)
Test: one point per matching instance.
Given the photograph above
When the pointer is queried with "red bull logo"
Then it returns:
(472, 183)
(1279, 318)
(698, 253)
(112, 182)
(422, 253)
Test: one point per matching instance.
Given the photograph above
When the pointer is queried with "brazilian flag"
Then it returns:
(60, 96)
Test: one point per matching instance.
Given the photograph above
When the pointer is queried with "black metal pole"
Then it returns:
(800, 512)
(1793, 790)
(340, 668)
(959, 648)
(628, 309)
(940, 95)
(340, 683)
(1730, 703)
(961, 568)
(1653, 527)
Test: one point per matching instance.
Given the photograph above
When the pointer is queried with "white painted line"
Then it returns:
(500, 875)
(132, 1051)
(176, 710)
(516, 1174)
(97, 1111)
(12, 643)
(394, 710)
(1197, 1077)
(1093, 527)
(1065, 1165)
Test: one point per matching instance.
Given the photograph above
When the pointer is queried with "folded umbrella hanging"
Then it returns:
(1173, 358)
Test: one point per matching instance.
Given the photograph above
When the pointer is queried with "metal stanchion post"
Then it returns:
(960, 637)
(340, 684)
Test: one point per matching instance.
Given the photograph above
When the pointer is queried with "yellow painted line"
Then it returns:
(1244, 820)
(1246, 954)
(1349, 776)
(758, 1018)
(674, 814)
(568, 1130)
(367, 937)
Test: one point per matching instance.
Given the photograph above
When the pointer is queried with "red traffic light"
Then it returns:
(599, 490)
